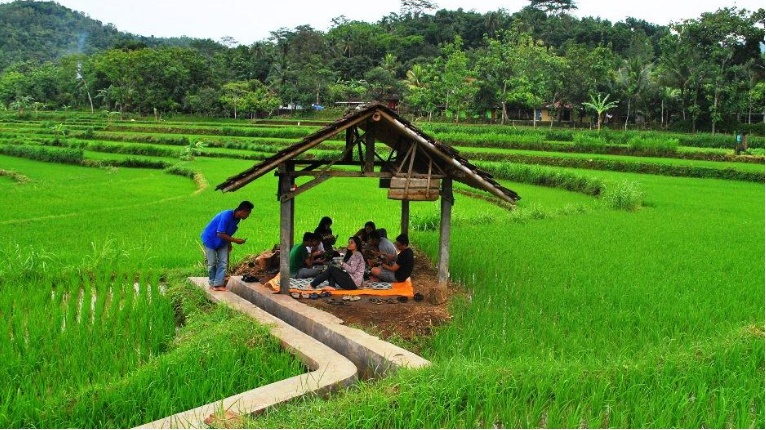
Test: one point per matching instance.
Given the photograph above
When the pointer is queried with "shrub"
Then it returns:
(624, 195)
(64, 156)
(658, 146)
(180, 171)
(559, 135)
(548, 177)
(586, 142)
(425, 222)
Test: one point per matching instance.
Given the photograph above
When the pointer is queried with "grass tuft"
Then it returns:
(624, 195)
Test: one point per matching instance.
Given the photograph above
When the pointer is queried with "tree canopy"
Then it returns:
(702, 73)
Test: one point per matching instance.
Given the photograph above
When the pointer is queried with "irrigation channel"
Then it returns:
(336, 354)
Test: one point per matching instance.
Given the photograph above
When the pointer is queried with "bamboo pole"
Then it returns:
(286, 214)
(445, 230)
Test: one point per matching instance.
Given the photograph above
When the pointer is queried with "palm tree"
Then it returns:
(416, 76)
(634, 77)
(600, 106)
(492, 22)
(667, 94)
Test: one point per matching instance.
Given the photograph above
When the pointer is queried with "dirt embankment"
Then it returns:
(384, 318)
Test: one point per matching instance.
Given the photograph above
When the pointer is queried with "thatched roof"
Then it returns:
(398, 134)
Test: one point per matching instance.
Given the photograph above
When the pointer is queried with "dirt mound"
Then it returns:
(384, 318)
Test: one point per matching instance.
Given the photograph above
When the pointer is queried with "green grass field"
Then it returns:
(573, 314)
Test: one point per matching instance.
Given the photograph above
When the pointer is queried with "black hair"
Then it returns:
(369, 224)
(403, 239)
(375, 234)
(307, 236)
(245, 206)
(382, 232)
(358, 243)
(325, 222)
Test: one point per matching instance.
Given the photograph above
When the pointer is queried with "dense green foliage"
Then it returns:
(703, 73)
(40, 31)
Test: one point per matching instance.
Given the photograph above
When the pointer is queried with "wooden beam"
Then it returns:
(352, 134)
(286, 218)
(342, 174)
(445, 231)
(369, 148)
(449, 161)
(305, 187)
(405, 222)
(316, 140)
(351, 174)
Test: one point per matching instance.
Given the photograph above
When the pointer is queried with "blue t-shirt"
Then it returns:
(224, 222)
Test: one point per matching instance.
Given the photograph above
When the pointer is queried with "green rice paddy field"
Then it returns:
(574, 314)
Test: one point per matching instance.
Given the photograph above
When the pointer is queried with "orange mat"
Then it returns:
(397, 289)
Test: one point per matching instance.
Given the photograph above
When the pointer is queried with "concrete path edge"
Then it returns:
(330, 371)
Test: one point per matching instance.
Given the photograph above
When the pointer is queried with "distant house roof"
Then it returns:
(428, 156)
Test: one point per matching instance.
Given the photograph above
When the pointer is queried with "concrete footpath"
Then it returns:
(337, 355)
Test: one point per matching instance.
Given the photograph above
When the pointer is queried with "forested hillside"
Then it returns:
(42, 31)
(45, 31)
(702, 74)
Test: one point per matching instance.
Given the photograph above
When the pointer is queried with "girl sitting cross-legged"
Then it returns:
(350, 274)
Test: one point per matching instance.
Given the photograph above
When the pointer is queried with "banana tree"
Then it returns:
(600, 106)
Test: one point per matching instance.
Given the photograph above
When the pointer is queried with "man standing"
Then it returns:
(217, 238)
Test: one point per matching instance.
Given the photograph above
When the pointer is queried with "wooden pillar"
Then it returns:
(447, 201)
(350, 139)
(286, 216)
(369, 150)
(405, 224)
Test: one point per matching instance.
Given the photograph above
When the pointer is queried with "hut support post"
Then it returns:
(286, 217)
(369, 154)
(405, 223)
(447, 201)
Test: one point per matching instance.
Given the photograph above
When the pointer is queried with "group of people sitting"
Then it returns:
(368, 254)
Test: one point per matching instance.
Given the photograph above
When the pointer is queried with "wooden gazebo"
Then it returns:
(416, 168)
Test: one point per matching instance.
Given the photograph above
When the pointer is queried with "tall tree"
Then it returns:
(634, 77)
(709, 50)
(588, 71)
(554, 7)
(420, 95)
(458, 82)
(521, 71)
(416, 7)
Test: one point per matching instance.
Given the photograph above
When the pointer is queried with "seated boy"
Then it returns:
(302, 260)
(396, 270)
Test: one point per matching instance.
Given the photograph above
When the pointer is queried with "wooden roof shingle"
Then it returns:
(392, 130)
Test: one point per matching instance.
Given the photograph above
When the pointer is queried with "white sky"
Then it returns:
(248, 21)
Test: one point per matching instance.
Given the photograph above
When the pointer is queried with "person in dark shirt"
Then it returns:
(324, 230)
(364, 232)
(400, 269)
